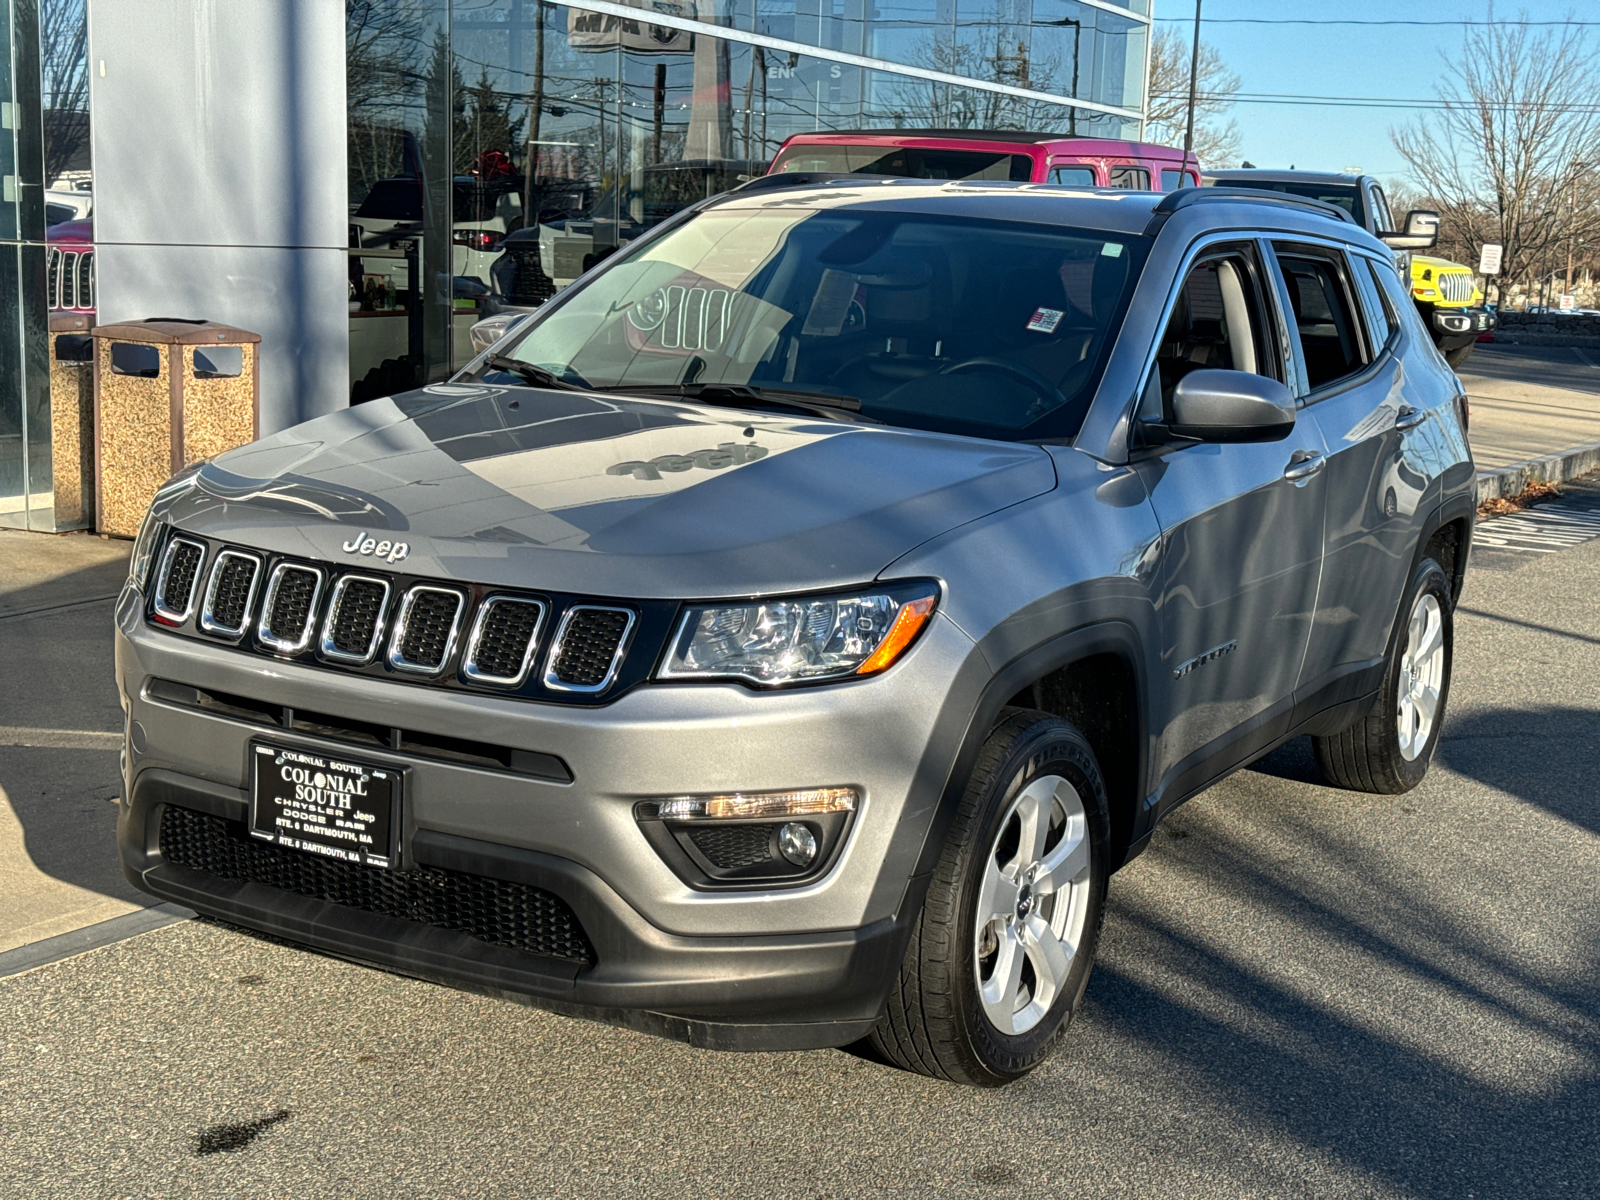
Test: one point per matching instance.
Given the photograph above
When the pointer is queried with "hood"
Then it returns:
(605, 495)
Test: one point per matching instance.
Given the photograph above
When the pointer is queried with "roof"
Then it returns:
(971, 135)
(1319, 178)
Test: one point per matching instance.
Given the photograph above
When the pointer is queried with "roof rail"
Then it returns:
(1184, 197)
(785, 179)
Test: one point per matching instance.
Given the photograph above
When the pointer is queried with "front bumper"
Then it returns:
(760, 969)
(1453, 327)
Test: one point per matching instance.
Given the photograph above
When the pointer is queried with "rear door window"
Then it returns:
(1133, 178)
(1327, 317)
(1172, 180)
(1073, 176)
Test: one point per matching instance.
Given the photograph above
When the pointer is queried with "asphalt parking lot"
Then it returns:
(1301, 992)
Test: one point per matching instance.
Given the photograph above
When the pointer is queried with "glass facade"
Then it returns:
(571, 129)
(44, 122)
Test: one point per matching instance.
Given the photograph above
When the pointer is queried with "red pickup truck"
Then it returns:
(1003, 154)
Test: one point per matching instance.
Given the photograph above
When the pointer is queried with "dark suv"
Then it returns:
(780, 638)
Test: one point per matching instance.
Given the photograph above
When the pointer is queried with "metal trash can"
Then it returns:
(72, 418)
(167, 392)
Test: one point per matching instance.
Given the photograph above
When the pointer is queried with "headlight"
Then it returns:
(144, 549)
(490, 330)
(798, 640)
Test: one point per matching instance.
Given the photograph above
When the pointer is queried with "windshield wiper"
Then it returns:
(532, 373)
(745, 395)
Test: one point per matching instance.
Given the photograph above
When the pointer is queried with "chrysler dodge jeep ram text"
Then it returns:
(778, 639)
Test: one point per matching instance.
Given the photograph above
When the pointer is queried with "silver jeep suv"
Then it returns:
(780, 639)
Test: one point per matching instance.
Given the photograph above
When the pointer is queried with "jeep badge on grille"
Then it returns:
(390, 552)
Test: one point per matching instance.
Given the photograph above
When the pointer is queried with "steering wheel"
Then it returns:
(1016, 370)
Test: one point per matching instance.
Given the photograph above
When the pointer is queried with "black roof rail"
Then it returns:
(1184, 197)
(783, 179)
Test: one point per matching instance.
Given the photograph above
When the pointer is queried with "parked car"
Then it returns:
(1454, 324)
(990, 154)
(62, 204)
(480, 216)
(782, 636)
(1451, 303)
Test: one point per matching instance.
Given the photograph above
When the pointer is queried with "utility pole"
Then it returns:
(1194, 80)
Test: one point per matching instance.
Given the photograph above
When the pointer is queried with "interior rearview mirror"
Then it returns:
(1229, 406)
(1420, 233)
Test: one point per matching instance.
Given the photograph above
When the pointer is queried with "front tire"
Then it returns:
(1002, 950)
(1388, 750)
(1457, 358)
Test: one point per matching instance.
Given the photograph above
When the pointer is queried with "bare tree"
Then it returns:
(1216, 142)
(64, 82)
(1007, 61)
(1514, 154)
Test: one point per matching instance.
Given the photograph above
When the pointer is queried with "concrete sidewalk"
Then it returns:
(1535, 414)
(60, 733)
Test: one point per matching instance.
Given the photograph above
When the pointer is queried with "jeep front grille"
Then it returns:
(1455, 288)
(231, 594)
(503, 639)
(177, 579)
(588, 648)
(425, 631)
(354, 626)
(517, 916)
(289, 613)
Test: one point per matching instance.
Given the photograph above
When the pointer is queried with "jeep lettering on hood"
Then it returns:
(606, 494)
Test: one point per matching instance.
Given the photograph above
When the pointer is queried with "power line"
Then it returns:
(1417, 102)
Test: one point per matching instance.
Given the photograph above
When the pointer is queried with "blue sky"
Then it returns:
(1390, 61)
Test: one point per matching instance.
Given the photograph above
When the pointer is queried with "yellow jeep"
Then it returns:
(1447, 295)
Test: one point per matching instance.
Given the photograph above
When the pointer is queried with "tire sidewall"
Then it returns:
(1049, 747)
(1429, 576)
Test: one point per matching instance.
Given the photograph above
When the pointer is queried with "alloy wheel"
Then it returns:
(1421, 676)
(1032, 903)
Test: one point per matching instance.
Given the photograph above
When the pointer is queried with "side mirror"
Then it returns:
(1230, 406)
(1421, 231)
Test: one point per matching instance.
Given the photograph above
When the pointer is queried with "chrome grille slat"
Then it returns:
(289, 612)
(588, 648)
(231, 593)
(504, 636)
(353, 628)
(425, 629)
(178, 579)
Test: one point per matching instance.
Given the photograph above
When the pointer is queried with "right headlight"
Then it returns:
(803, 639)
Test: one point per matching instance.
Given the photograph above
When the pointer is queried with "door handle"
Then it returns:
(1303, 464)
(1409, 417)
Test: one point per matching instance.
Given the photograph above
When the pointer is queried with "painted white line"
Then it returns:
(59, 739)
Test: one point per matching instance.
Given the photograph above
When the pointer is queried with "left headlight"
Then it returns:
(801, 639)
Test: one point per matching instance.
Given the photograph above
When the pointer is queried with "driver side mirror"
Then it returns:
(1421, 231)
(1227, 406)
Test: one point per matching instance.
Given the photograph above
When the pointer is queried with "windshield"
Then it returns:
(912, 162)
(993, 329)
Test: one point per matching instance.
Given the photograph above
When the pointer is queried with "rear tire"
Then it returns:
(1389, 749)
(1002, 950)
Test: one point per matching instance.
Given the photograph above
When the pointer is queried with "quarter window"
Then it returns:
(1174, 179)
(1326, 317)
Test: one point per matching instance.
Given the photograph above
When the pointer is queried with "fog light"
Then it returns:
(797, 843)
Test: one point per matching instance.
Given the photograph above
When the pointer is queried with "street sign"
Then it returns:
(1489, 259)
(1568, 303)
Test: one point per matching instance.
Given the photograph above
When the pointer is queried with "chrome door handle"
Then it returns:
(1303, 464)
(1409, 417)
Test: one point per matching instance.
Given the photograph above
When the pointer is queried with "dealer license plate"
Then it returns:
(325, 804)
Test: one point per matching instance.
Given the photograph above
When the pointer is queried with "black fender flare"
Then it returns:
(1113, 637)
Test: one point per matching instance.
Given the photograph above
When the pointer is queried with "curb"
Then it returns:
(92, 937)
(1503, 483)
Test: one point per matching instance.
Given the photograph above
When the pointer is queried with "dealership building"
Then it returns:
(338, 176)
